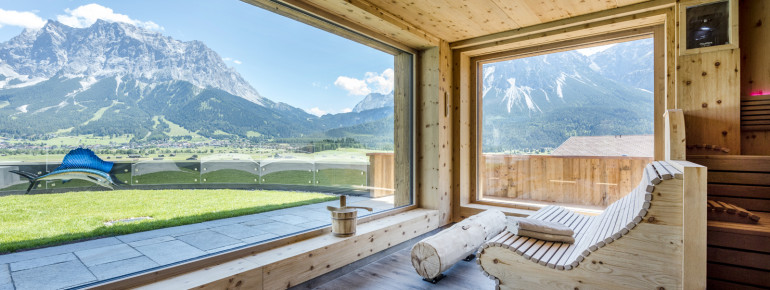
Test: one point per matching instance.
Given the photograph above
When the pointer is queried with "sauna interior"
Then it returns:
(441, 173)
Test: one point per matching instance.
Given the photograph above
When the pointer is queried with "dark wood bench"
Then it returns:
(738, 253)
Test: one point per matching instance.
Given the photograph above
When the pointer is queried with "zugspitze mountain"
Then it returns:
(111, 49)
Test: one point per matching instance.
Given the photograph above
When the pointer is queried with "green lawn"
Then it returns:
(230, 176)
(29, 221)
(340, 177)
(298, 177)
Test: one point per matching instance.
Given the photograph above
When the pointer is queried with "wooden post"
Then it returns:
(693, 224)
(676, 142)
(380, 175)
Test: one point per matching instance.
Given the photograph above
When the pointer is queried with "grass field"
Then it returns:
(29, 221)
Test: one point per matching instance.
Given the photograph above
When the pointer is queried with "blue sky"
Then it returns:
(283, 59)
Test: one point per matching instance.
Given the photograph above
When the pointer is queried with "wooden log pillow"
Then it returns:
(435, 254)
(727, 212)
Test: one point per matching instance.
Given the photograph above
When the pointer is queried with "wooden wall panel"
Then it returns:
(575, 180)
(755, 63)
(434, 131)
(461, 138)
(709, 95)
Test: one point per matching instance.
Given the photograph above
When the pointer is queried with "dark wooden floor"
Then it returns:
(395, 271)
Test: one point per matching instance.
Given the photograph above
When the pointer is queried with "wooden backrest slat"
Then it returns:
(652, 175)
(610, 227)
(558, 216)
(553, 214)
(533, 249)
(603, 226)
(677, 174)
(582, 241)
(525, 245)
(508, 241)
(626, 216)
(579, 226)
(543, 211)
(549, 255)
(566, 218)
(571, 219)
(560, 252)
(544, 249)
(500, 239)
(518, 243)
(664, 173)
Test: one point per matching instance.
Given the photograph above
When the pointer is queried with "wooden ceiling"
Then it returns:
(418, 24)
(454, 20)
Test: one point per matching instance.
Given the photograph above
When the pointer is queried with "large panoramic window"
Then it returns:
(571, 127)
(134, 138)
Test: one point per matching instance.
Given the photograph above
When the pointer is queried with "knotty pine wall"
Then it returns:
(755, 64)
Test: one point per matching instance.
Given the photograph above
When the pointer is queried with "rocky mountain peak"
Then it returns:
(111, 49)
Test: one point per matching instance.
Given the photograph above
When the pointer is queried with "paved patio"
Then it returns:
(95, 260)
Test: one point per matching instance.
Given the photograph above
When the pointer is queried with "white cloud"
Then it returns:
(24, 19)
(230, 59)
(372, 83)
(319, 85)
(86, 15)
(380, 83)
(354, 87)
(347, 110)
(316, 111)
(596, 49)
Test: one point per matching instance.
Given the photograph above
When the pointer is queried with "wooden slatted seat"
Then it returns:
(591, 232)
(651, 216)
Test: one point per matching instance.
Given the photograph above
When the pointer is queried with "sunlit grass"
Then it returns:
(29, 221)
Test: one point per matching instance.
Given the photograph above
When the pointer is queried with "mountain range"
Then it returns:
(115, 78)
(538, 102)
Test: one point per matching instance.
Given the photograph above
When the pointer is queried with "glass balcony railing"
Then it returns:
(351, 171)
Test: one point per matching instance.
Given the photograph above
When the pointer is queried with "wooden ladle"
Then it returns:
(343, 205)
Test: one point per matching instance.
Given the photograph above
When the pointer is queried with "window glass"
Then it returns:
(144, 133)
(572, 127)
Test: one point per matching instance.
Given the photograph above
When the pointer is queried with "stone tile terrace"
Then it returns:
(85, 262)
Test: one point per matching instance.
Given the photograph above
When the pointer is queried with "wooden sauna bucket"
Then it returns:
(344, 222)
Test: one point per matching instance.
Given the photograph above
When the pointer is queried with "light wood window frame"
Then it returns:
(658, 19)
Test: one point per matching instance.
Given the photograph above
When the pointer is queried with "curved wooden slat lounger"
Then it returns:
(637, 242)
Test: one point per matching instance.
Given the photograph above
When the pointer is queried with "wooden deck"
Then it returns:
(396, 272)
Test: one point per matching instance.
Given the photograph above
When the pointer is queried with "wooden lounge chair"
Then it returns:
(653, 238)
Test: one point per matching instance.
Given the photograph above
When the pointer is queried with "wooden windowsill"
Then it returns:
(512, 209)
(298, 262)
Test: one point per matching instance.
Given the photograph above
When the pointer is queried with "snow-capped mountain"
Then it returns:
(115, 50)
(538, 102)
(374, 101)
(630, 63)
